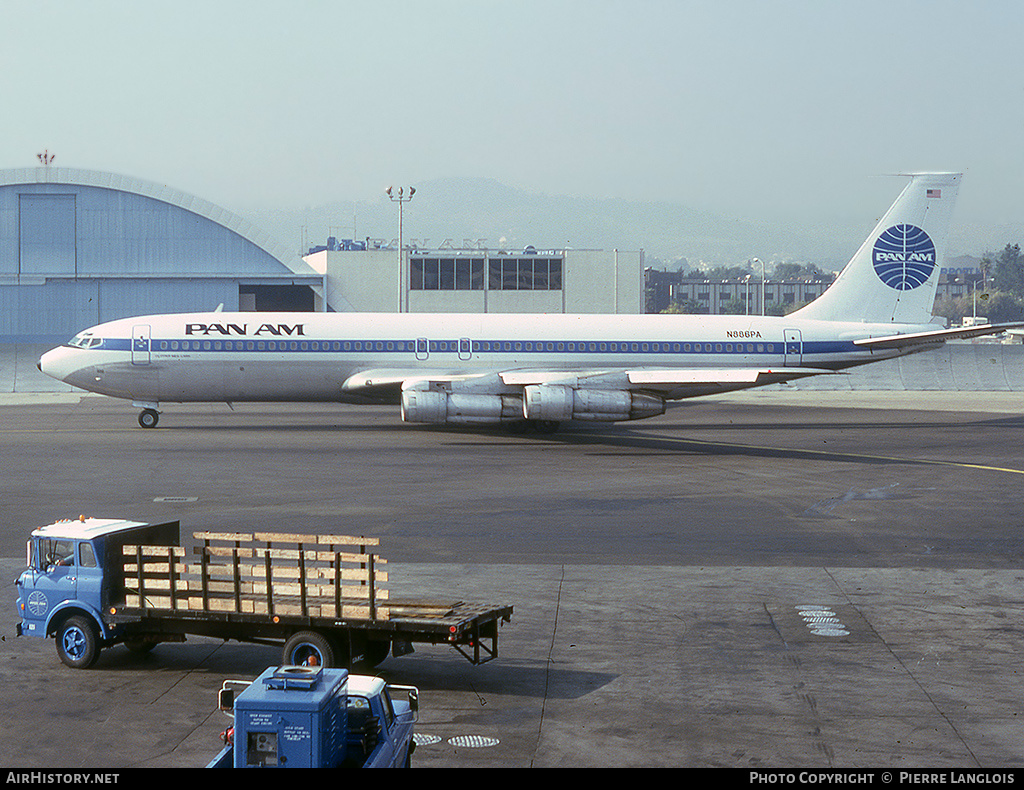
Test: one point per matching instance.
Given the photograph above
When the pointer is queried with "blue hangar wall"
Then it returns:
(80, 247)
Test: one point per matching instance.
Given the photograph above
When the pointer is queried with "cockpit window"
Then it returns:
(85, 340)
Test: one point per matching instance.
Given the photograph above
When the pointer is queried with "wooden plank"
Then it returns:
(218, 588)
(152, 568)
(247, 571)
(315, 555)
(129, 549)
(346, 540)
(165, 584)
(284, 537)
(226, 551)
(309, 555)
(233, 537)
(154, 601)
(221, 604)
(432, 613)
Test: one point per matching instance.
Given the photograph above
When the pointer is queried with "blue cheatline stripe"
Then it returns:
(483, 347)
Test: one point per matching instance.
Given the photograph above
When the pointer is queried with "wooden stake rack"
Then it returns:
(263, 573)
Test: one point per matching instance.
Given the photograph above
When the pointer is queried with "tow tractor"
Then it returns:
(317, 717)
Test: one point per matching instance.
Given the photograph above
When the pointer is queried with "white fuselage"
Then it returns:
(310, 356)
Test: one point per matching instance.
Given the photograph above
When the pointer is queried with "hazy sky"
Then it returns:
(770, 109)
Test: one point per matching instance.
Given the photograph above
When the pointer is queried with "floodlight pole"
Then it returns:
(763, 282)
(401, 197)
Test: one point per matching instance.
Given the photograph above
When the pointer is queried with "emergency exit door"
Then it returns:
(794, 348)
(141, 344)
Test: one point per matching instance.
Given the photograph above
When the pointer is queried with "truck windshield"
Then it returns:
(57, 552)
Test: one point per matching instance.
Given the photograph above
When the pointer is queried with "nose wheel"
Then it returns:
(148, 418)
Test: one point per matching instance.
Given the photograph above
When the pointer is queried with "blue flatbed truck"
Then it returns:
(315, 717)
(94, 583)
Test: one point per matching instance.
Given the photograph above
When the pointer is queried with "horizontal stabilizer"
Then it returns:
(935, 336)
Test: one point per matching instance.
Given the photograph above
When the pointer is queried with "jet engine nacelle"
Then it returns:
(554, 402)
(439, 407)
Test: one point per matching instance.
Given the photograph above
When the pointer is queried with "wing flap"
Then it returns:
(701, 381)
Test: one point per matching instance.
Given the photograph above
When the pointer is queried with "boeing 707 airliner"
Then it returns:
(533, 370)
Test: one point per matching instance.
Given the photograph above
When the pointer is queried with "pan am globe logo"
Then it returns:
(904, 257)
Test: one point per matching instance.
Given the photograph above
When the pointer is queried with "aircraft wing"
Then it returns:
(935, 337)
(662, 380)
(673, 382)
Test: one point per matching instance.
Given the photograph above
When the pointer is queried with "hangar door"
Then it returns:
(46, 234)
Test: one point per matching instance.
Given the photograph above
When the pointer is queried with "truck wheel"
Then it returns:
(78, 644)
(139, 647)
(308, 648)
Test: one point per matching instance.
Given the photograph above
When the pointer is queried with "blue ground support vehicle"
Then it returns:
(312, 717)
(92, 583)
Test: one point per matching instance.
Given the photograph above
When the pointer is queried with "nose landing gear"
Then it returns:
(148, 418)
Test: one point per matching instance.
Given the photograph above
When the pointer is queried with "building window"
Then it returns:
(525, 274)
(446, 274)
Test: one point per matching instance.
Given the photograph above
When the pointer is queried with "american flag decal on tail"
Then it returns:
(935, 193)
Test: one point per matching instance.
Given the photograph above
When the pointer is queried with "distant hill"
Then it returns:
(498, 216)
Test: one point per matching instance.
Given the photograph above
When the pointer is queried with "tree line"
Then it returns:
(998, 294)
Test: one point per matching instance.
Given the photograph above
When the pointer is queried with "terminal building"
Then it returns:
(474, 280)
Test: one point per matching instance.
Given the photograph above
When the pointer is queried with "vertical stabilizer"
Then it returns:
(893, 276)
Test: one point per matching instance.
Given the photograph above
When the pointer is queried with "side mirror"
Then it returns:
(226, 695)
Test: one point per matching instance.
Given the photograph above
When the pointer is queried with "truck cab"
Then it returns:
(380, 726)
(72, 575)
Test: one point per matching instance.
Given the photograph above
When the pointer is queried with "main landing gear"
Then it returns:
(148, 418)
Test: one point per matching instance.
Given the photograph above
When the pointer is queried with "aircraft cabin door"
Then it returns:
(141, 342)
(793, 352)
(465, 348)
(422, 348)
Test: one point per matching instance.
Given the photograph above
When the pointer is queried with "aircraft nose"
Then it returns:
(58, 363)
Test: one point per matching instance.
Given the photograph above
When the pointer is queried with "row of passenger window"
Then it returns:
(456, 345)
(626, 348)
(286, 345)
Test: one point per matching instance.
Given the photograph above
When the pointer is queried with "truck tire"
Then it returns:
(308, 648)
(78, 643)
(138, 646)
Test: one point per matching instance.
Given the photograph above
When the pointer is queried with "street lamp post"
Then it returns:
(401, 197)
